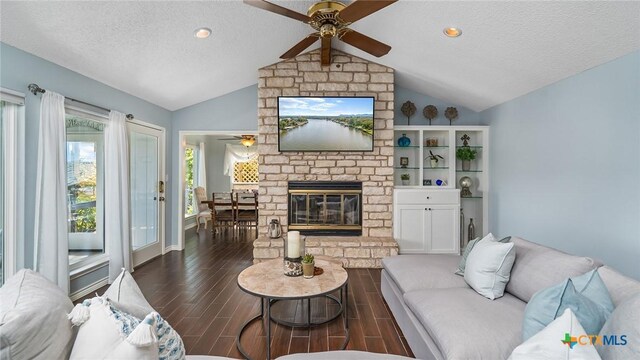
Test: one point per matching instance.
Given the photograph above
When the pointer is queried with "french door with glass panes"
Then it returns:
(146, 161)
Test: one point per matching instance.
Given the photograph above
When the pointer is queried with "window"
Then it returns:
(11, 135)
(85, 187)
(191, 174)
(2, 172)
(245, 172)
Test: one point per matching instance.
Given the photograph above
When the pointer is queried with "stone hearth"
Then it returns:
(354, 251)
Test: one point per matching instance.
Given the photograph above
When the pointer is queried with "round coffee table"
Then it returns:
(267, 281)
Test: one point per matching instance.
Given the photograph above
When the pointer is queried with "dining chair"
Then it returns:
(203, 212)
(222, 210)
(246, 207)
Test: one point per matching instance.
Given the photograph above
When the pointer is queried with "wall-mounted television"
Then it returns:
(324, 123)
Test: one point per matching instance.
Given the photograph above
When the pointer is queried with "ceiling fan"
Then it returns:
(332, 19)
(246, 140)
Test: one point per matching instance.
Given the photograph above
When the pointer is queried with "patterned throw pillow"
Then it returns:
(170, 345)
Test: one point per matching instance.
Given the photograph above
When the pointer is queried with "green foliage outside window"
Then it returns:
(189, 181)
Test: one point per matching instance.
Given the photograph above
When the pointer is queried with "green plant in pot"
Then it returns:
(434, 158)
(466, 154)
(308, 264)
(405, 179)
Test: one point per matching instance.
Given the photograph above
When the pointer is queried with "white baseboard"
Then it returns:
(172, 248)
(190, 226)
(89, 289)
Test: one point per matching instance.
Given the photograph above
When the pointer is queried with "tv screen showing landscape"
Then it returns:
(325, 123)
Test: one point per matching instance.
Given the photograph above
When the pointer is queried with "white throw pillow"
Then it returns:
(104, 333)
(562, 339)
(33, 318)
(125, 295)
(489, 267)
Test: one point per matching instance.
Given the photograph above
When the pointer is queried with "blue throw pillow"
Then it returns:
(586, 295)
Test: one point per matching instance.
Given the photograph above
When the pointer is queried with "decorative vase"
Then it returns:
(466, 165)
(471, 231)
(462, 242)
(404, 141)
(405, 182)
(434, 163)
(307, 270)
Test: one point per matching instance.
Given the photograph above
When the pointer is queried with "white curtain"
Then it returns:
(202, 168)
(237, 153)
(51, 250)
(116, 206)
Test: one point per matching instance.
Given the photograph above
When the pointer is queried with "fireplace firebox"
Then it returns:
(325, 207)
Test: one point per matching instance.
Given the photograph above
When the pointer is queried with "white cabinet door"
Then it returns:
(410, 229)
(441, 232)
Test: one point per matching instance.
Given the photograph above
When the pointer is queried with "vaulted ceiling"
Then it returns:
(147, 49)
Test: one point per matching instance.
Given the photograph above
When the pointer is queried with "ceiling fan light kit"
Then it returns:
(330, 19)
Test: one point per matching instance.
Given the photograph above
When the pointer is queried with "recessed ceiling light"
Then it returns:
(452, 32)
(202, 33)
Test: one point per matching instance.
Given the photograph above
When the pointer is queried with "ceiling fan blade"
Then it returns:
(233, 138)
(265, 5)
(325, 58)
(299, 47)
(361, 8)
(364, 43)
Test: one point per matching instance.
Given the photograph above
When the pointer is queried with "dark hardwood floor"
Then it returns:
(195, 290)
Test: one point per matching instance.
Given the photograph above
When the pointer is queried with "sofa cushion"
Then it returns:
(33, 318)
(623, 321)
(538, 267)
(465, 325)
(418, 272)
(620, 287)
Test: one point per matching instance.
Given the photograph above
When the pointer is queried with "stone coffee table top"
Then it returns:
(267, 279)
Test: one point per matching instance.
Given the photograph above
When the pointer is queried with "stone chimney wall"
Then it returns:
(347, 76)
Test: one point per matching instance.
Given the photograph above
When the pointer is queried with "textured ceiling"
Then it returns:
(147, 49)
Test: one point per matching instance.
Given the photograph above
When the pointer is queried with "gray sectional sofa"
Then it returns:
(443, 318)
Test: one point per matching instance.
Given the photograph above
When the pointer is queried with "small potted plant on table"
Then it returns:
(434, 159)
(405, 179)
(308, 265)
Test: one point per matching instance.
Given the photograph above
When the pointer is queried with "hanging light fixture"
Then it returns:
(247, 140)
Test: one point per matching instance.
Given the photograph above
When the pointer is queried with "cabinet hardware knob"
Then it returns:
(429, 209)
(428, 198)
(425, 209)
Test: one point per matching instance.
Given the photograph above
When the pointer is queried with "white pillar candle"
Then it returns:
(293, 244)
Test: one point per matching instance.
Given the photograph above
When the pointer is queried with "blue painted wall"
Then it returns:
(465, 116)
(565, 165)
(18, 69)
(235, 111)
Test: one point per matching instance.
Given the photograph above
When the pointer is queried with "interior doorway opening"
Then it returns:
(220, 166)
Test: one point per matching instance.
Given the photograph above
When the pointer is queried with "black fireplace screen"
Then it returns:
(325, 208)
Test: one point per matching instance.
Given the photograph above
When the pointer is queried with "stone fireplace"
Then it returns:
(325, 207)
(373, 171)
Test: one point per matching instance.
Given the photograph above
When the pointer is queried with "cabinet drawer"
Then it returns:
(417, 197)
